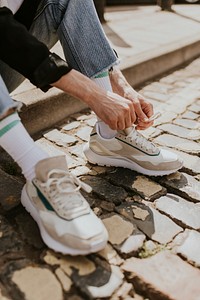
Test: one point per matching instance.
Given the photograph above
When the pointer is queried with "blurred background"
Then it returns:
(164, 4)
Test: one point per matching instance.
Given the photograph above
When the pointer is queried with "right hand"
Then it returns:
(117, 112)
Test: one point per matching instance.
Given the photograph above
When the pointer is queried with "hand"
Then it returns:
(143, 108)
(145, 111)
(117, 112)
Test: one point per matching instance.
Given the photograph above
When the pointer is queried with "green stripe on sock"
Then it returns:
(8, 127)
(103, 74)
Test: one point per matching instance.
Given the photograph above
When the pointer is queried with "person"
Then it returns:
(90, 72)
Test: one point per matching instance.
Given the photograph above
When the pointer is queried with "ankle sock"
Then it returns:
(103, 81)
(19, 145)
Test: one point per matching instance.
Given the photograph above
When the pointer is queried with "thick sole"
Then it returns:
(49, 241)
(123, 163)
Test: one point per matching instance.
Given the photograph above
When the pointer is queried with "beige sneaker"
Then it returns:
(129, 149)
(66, 222)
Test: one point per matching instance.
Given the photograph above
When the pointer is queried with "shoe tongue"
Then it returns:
(44, 166)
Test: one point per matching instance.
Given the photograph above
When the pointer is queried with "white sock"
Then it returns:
(19, 145)
(104, 130)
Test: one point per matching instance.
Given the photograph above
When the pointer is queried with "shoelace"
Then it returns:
(60, 183)
(134, 135)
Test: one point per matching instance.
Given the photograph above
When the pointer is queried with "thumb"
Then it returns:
(139, 113)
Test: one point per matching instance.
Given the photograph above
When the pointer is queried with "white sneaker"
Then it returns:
(129, 149)
(66, 222)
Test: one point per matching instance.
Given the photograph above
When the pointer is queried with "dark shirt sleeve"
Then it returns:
(24, 53)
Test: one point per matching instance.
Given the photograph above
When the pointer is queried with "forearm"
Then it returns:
(79, 86)
(119, 82)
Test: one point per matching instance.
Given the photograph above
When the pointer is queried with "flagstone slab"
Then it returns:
(38, 283)
(187, 244)
(61, 139)
(190, 115)
(164, 276)
(155, 225)
(141, 185)
(184, 185)
(10, 241)
(190, 124)
(182, 211)
(70, 126)
(105, 190)
(178, 143)
(84, 133)
(118, 229)
(10, 191)
(29, 230)
(191, 163)
(190, 134)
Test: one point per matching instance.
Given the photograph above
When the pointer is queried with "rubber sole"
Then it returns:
(109, 161)
(48, 240)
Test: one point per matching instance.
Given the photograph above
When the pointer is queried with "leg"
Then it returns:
(76, 25)
(87, 50)
(14, 137)
(84, 43)
(6, 102)
(51, 194)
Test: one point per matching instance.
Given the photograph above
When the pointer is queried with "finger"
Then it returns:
(128, 121)
(143, 124)
(143, 127)
(148, 109)
(112, 124)
(121, 124)
(139, 112)
(149, 112)
(133, 117)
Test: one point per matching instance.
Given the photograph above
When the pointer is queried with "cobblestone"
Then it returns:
(187, 123)
(10, 241)
(141, 185)
(191, 163)
(178, 131)
(61, 139)
(37, 283)
(178, 143)
(190, 115)
(187, 245)
(10, 191)
(153, 223)
(104, 190)
(184, 185)
(164, 276)
(124, 229)
(185, 212)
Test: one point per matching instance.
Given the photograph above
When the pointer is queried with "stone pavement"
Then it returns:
(153, 223)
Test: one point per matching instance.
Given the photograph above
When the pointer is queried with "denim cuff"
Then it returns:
(49, 71)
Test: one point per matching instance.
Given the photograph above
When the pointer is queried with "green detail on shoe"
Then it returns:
(138, 148)
(103, 74)
(8, 127)
(44, 200)
(92, 134)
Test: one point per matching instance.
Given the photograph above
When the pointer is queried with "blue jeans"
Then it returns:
(76, 25)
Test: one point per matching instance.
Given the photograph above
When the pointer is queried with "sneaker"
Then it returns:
(66, 222)
(129, 149)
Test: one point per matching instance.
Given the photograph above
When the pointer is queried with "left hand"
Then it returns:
(143, 108)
